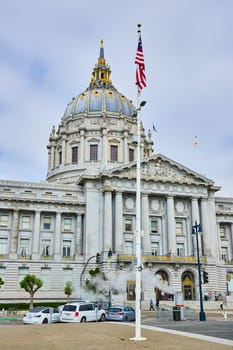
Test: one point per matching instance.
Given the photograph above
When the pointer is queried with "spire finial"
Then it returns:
(102, 51)
(101, 73)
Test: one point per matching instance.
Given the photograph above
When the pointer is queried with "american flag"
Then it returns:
(140, 69)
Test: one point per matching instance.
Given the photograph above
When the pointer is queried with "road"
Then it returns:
(214, 326)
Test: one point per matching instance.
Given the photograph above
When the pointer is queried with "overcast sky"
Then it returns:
(48, 49)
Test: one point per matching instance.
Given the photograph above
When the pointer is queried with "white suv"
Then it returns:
(82, 312)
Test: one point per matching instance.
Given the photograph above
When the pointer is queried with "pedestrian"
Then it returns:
(151, 305)
(221, 305)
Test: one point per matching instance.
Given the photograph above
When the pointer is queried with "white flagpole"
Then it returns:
(138, 222)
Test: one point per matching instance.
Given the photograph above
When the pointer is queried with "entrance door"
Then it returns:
(188, 286)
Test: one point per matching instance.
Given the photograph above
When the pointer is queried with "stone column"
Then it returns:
(126, 150)
(119, 222)
(104, 148)
(214, 243)
(146, 225)
(82, 146)
(205, 227)
(57, 234)
(52, 164)
(36, 236)
(64, 156)
(231, 241)
(14, 236)
(49, 159)
(107, 220)
(171, 226)
(196, 219)
(78, 236)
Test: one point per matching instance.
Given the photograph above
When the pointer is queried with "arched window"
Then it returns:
(188, 286)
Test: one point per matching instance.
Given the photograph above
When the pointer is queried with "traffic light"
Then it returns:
(97, 258)
(110, 253)
(205, 277)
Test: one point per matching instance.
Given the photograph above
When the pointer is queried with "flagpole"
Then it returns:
(138, 336)
(195, 144)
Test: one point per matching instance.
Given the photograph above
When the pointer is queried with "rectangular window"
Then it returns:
(131, 155)
(94, 152)
(179, 228)
(46, 247)
(74, 155)
(114, 153)
(3, 245)
(222, 231)
(180, 249)
(128, 224)
(24, 247)
(4, 220)
(66, 248)
(47, 221)
(155, 248)
(154, 226)
(46, 278)
(26, 222)
(224, 254)
(60, 157)
(22, 272)
(128, 248)
(67, 224)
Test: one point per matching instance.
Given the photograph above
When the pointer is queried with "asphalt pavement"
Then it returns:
(216, 325)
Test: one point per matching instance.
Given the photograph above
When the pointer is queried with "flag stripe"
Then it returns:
(140, 68)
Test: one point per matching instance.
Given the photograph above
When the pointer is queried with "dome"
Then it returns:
(101, 97)
(99, 101)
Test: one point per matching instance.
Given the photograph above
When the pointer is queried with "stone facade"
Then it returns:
(87, 205)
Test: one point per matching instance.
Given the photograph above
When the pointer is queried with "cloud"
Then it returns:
(48, 50)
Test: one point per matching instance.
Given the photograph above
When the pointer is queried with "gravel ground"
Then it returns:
(95, 336)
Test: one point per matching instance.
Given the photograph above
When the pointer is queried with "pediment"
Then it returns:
(160, 168)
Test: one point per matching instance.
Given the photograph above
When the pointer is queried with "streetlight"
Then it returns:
(109, 277)
(195, 229)
(98, 261)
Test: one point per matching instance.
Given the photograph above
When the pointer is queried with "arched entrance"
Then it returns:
(162, 287)
(188, 286)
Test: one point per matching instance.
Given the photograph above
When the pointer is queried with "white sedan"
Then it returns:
(42, 315)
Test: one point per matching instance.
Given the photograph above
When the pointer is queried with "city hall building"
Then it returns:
(87, 205)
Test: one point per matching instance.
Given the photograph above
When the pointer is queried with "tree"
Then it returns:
(1, 282)
(68, 290)
(31, 284)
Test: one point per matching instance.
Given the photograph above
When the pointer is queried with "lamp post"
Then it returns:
(109, 277)
(195, 230)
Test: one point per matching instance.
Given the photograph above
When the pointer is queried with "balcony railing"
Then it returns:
(161, 258)
(24, 257)
(4, 256)
(68, 258)
(46, 257)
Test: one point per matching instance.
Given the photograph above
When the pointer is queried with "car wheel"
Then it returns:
(102, 318)
(45, 320)
(83, 319)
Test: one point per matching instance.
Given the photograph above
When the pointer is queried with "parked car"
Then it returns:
(82, 312)
(41, 315)
(120, 313)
